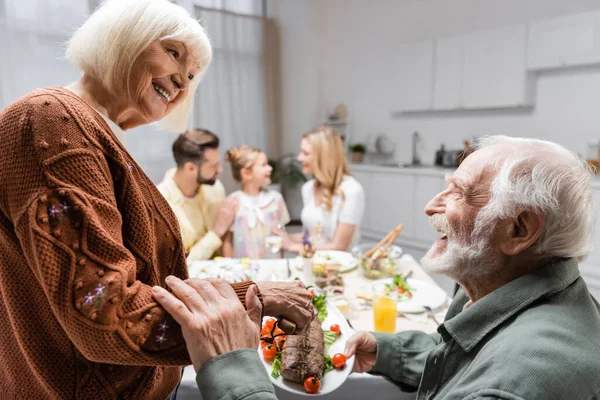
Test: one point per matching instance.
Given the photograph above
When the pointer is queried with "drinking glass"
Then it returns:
(384, 311)
(274, 242)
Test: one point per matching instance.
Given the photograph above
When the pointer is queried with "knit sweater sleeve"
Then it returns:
(70, 231)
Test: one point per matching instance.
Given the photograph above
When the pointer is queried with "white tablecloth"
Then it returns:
(357, 386)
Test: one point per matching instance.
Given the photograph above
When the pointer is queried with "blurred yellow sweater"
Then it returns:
(196, 215)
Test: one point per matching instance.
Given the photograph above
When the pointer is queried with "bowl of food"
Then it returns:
(382, 264)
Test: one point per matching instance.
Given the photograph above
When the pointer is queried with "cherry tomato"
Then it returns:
(280, 342)
(264, 344)
(312, 292)
(269, 352)
(339, 361)
(401, 290)
(269, 322)
(265, 331)
(312, 384)
(335, 328)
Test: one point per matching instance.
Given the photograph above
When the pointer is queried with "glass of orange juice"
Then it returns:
(384, 311)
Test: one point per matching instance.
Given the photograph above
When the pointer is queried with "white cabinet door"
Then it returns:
(494, 72)
(447, 83)
(391, 202)
(571, 40)
(364, 178)
(415, 76)
(426, 187)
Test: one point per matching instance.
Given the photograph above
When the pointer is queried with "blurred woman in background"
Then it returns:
(333, 201)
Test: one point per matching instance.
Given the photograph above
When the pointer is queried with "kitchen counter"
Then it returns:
(429, 170)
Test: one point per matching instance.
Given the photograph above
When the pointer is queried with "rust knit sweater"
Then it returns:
(84, 235)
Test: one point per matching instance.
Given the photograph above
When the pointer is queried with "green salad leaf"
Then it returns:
(399, 286)
(320, 304)
(276, 365)
(328, 364)
(329, 337)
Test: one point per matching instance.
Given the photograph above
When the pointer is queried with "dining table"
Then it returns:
(360, 317)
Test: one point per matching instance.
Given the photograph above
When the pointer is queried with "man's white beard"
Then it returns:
(460, 261)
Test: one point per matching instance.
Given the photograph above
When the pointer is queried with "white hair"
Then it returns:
(110, 41)
(547, 178)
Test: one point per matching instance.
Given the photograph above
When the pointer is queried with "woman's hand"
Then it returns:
(290, 300)
(364, 346)
(212, 319)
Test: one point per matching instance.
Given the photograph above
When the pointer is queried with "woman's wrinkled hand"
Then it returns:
(213, 320)
(289, 300)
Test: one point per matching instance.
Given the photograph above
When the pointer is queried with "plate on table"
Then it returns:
(332, 380)
(423, 294)
(232, 270)
(345, 259)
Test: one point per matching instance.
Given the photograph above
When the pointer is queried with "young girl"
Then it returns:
(261, 212)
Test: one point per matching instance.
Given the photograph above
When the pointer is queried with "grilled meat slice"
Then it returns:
(303, 355)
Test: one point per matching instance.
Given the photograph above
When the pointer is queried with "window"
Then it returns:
(247, 7)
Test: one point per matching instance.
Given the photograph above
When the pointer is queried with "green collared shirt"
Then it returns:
(537, 337)
(237, 375)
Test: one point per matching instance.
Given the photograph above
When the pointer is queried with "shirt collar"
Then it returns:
(177, 197)
(471, 325)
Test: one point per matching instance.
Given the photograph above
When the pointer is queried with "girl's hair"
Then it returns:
(329, 161)
(241, 157)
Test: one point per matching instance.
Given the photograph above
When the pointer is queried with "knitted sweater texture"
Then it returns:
(84, 235)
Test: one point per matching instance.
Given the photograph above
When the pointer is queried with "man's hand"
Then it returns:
(364, 346)
(212, 319)
(225, 216)
(287, 299)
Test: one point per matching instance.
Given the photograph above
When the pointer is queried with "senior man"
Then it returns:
(515, 219)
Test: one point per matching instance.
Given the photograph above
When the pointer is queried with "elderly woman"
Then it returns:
(85, 235)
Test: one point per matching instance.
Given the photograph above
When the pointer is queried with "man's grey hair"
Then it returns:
(547, 178)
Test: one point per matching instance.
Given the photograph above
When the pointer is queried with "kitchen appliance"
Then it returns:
(451, 158)
(381, 150)
(593, 157)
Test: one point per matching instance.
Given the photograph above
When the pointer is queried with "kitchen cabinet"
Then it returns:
(415, 76)
(478, 70)
(364, 178)
(391, 203)
(494, 73)
(572, 40)
(447, 84)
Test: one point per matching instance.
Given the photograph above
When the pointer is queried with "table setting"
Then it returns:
(375, 287)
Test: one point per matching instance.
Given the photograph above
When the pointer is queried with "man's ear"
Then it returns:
(189, 166)
(520, 233)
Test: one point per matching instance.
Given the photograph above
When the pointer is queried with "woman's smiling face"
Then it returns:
(161, 77)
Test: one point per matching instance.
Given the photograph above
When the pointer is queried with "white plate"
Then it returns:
(230, 269)
(347, 261)
(424, 294)
(333, 379)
